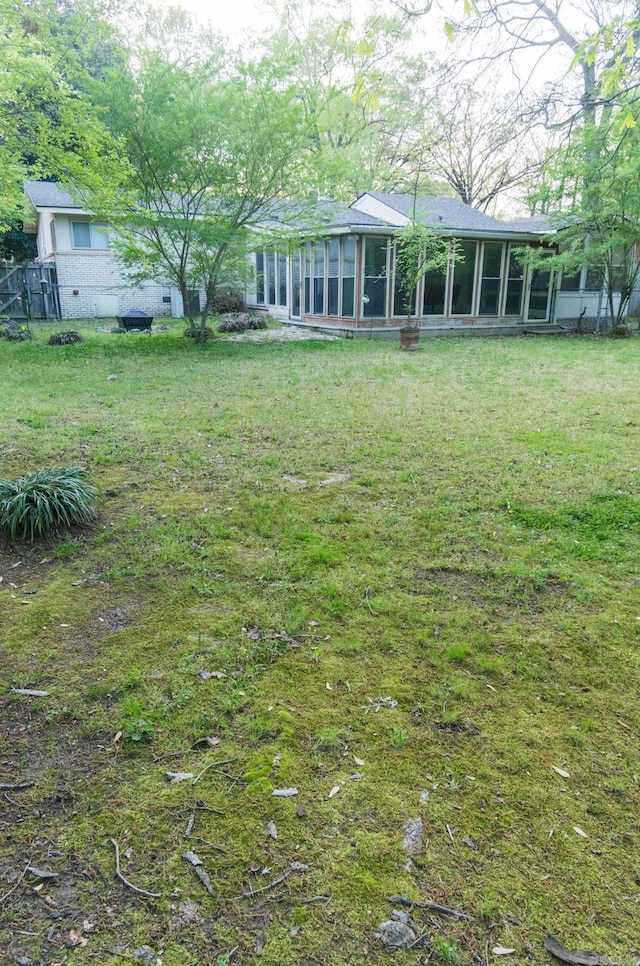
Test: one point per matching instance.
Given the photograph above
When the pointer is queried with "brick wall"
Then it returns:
(103, 290)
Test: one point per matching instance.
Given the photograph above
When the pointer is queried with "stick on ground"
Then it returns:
(436, 907)
(129, 885)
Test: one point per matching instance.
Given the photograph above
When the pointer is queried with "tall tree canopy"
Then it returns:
(211, 146)
(48, 125)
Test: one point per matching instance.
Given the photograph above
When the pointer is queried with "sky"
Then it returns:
(232, 17)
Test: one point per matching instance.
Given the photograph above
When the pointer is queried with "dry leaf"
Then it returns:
(209, 740)
(76, 939)
(328, 687)
(253, 633)
(205, 675)
(334, 791)
(117, 737)
(580, 832)
(271, 831)
(179, 776)
(285, 792)
(502, 951)
(357, 760)
(561, 772)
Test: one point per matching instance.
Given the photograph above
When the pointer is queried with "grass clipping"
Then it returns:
(42, 503)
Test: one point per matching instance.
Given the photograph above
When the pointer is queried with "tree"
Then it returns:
(48, 126)
(419, 250)
(360, 94)
(481, 145)
(211, 145)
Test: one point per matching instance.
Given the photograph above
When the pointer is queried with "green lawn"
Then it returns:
(326, 524)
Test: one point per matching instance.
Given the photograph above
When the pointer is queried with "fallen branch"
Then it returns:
(307, 902)
(574, 956)
(30, 692)
(434, 906)
(129, 885)
(14, 887)
(271, 885)
(212, 764)
(16, 788)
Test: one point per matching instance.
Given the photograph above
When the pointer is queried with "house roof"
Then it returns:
(442, 213)
(539, 224)
(47, 194)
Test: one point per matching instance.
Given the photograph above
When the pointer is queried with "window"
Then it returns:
(348, 275)
(307, 279)
(282, 279)
(260, 278)
(295, 285)
(491, 281)
(540, 295)
(463, 276)
(435, 285)
(318, 278)
(595, 279)
(515, 286)
(375, 278)
(333, 276)
(271, 277)
(570, 281)
(404, 298)
(88, 235)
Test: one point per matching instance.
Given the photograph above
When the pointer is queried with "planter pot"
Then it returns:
(409, 338)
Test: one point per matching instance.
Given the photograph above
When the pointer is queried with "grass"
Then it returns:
(473, 557)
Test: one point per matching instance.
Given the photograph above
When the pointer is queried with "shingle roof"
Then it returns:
(47, 194)
(442, 213)
(540, 224)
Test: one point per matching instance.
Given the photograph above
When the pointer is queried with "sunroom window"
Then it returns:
(348, 275)
(271, 277)
(491, 281)
(435, 286)
(515, 286)
(375, 278)
(463, 276)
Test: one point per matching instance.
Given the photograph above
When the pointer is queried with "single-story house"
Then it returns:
(342, 276)
(91, 283)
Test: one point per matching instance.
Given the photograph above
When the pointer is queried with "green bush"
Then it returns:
(42, 503)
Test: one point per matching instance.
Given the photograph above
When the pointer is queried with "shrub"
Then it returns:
(228, 300)
(65, 338)
(620, 332)
(198, 333)
(14, 331)
(240, 322)
(232, 323)
(42, 503)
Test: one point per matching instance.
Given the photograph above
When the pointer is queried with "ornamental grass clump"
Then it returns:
(41, 504)
(71, 337)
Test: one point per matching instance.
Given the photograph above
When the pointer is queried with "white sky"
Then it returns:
(234, 18)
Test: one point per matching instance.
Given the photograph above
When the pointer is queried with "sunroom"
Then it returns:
(348, 278)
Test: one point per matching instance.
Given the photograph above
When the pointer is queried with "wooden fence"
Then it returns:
(29, 290)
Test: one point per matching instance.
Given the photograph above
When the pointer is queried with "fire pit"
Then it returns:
(134, 319)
